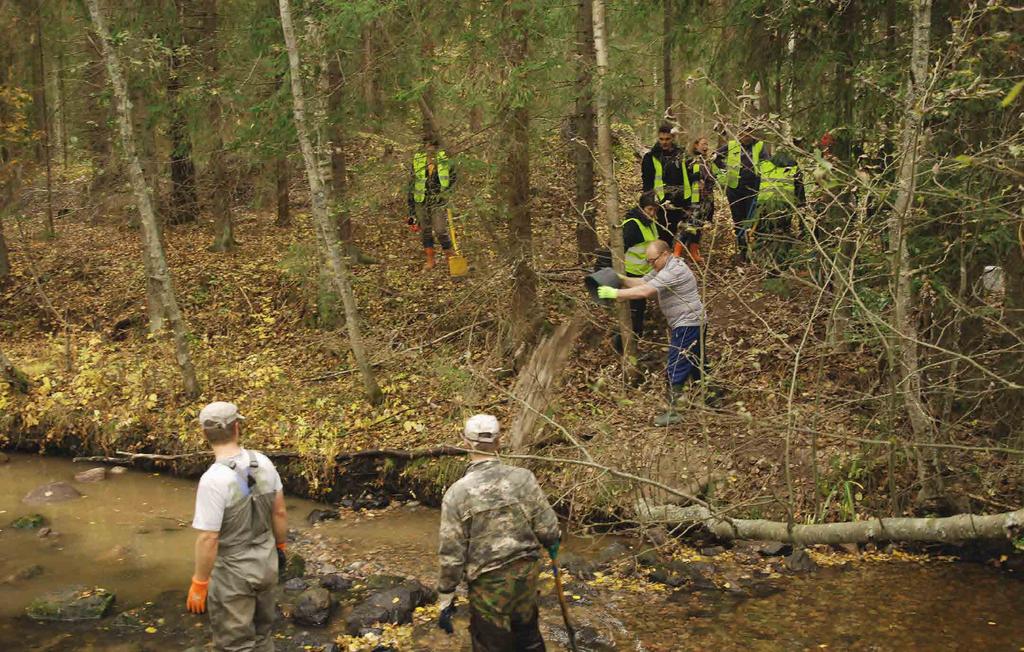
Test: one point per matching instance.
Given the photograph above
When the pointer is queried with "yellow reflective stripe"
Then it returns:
(635, 258)
(659, 182)
(419, 168)
(443, 170)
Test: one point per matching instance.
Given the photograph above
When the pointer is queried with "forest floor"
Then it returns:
(73, 318)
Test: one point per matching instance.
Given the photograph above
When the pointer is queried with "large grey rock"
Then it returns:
(117, 470)
(576, 565)
(677, 573)
(72, 604)
(295, 584)
(801, 562)
(53, 492)
(96, 474)
(335, 582)
(313, 608)
(394, 605)
(775, 549)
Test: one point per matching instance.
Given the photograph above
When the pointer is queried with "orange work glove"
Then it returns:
(282, 559)
(197, 596)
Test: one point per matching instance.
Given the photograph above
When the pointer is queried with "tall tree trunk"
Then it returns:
(50, 229)
(220, 198)
(908, 372)
(339, 164)
(667, 42)
(611, 185)
(585, 139)
(184, 203)
(281, 181)
(62, 108)
(370, 86)
(5, 259)
(153, 250)
(515, 176)
(10, 374)
(327, 228)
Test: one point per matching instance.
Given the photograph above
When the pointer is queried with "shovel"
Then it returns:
(457, 264)
(569, 629)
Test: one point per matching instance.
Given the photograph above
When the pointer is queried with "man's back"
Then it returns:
(493, 515)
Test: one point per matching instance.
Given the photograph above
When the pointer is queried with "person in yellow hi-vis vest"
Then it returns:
(431, 179)
(740, 159)
(663, 170)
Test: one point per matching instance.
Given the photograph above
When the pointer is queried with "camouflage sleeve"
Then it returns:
(543, 519)
(453, 547)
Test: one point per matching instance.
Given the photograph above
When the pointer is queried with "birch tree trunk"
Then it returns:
(585, 140)
(153, 250)
(325, 226)
(667, 41)
(908, 372)
(611, 185)
(220, 199)
(10, 374)
(962, 527)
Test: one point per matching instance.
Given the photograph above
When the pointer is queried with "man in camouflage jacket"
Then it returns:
(495, 521)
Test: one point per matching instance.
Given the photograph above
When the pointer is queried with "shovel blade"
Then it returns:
(457, 265)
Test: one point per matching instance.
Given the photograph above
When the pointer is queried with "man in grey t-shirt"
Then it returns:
(678, 296)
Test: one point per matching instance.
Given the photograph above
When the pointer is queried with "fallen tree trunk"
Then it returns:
(538, 382)
(961, 527)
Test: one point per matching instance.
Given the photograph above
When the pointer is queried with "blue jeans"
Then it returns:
(686, 354)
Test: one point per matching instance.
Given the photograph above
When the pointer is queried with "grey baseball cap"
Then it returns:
(219, 414)
(481, 428)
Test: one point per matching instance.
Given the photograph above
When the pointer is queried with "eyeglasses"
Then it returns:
(651, 261)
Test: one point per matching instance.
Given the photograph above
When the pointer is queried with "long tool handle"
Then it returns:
(451, 232)
(565, 608)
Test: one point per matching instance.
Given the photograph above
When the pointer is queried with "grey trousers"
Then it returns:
(433, 218)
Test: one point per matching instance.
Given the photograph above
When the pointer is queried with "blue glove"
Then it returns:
(553, 550)
(607, 292)
(444, 619)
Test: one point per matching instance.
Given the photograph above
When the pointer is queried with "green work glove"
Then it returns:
(607, 292)
(553, 550)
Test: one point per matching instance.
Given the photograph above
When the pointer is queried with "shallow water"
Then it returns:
(131, 534)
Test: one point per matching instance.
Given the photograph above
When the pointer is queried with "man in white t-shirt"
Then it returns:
(240, 515)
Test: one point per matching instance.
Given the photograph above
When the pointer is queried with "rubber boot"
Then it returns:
(429, 264)
(677, 249)
(671, 416)
(695, 252)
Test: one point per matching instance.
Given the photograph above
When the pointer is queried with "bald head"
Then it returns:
(656, 248)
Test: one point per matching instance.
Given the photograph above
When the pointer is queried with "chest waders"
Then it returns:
(241, 602)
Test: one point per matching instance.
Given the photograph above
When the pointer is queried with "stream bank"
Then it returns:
(129, 534)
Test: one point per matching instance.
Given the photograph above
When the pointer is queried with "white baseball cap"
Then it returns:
(219, 414)
(481, 428)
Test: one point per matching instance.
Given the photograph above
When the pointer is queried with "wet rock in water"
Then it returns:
(801, 562)
(588, 639)
(394, 605)
(611, 552)
(25, 573)
(72, 604)
(317, 515)
(378, 582)
(295, 566)
(336, 583)
(712, 551)
(775, 549)
(370, 502)
(30, 522)
(313, 608)
(576, 565)
(677, 573)
(295, 584)
(117, 470)
(97, 474)
(53, 492)
(117, 553)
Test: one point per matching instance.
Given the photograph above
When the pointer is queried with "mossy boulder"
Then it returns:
(71, 604)
(295, 566)
(30, 522)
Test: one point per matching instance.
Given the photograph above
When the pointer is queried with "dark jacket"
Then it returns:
(631, 232)
(672, 163)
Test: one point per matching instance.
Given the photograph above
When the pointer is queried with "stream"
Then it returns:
(130, 534)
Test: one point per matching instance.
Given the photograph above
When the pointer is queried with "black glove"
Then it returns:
(282, 560)
(444, 620)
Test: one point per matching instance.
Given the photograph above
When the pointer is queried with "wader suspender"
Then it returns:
(249, 480)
